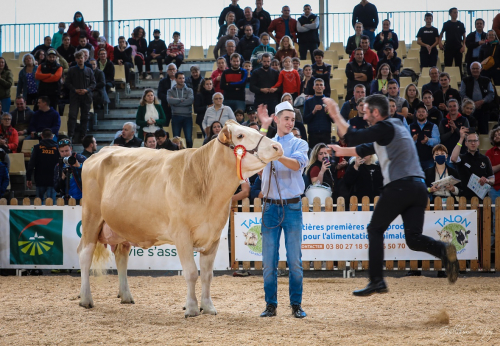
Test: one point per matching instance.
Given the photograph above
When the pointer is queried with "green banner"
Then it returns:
(36, 237)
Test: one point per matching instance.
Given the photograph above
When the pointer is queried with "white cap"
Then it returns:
(283, 106)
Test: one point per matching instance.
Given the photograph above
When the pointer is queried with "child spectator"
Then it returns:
(289, 78)
(175, 51)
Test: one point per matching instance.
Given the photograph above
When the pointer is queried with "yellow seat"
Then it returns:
(339, 48)
(120, 73)
(484, 142)
(210, 53)
(168, 129)
(214, 67)
(15, 73)
(402, 49)
(308, 55)
(28, 145)
(413, 53)
(338, 85)
(412, 64)
(9, 55)
(13, 94)
(63, 130)
(66, 110)
(423, 80)
(343, 63)
(415, 45)
(198, 142)
(208, 74)
(404, 82)
(340, 73)
(453, 71)
(321, 46)
(333, 56)
(20, 57)
(17, 166)
(195, 54)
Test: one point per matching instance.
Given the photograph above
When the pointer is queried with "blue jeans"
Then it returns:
(41, 191)
(292, 226)
(371, 35)
(179, 123)
(235, 104)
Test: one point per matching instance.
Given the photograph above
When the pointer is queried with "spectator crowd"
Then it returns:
(77, 67)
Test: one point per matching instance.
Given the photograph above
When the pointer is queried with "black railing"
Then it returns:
(202, 31)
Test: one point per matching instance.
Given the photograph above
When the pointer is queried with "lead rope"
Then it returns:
(273, 172)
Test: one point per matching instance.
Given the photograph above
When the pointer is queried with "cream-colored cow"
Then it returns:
(145, 198)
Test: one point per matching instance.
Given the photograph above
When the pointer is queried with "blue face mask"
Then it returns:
(440, 159)
(61, 30)
(78, 19)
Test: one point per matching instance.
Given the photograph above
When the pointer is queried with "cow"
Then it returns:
(250, 238)
(144, 197)
(461, 237)
(444, 236)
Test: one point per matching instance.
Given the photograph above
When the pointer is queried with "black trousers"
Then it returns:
(322, 137)
(128, 66)
(304, 47)
(482, 120)
(159, 60)
(138, 62)
(428, 60)
(450, 55)
(82, 102)
(177, 60)
(408, 199)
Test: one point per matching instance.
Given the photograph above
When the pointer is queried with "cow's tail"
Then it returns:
(100, 259)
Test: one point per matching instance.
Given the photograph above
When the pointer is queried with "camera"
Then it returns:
(69, 160)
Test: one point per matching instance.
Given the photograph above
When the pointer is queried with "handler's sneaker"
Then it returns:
(269, 312)
(450, 262)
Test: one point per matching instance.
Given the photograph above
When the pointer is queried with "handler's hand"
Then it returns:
(263, 115)
(332, 108)
(337, 149)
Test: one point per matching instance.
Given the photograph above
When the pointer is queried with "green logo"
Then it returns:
(36, 237)
(456, 234)
(253, 239)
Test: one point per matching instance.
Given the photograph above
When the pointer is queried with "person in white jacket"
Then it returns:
(217, 112)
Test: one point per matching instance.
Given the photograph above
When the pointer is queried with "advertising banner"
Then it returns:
(47, 238)
(342, 236)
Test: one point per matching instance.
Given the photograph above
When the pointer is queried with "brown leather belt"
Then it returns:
(285, 201)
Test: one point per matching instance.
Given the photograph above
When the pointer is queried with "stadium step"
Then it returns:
(108, 125)
(106, 137)
(121, 114)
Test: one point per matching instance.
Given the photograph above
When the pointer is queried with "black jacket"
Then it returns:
(201, 101)
(126, 55)
(163, 87)
(471, 44)
(430, 176)
(109, 72)
(367, 180)
(67, 54)
(238, 13)
(265, 79)
(77, 79)
(351, 45)
(44, 157)
(246, 46)
(487, 50)
(265, 20)
(158, 46)
(354, 67)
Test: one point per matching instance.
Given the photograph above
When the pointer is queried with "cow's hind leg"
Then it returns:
(206, 272)
(185, 251)
(121, 258)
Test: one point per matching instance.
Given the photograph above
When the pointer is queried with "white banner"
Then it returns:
(342, 236)
(47, 238)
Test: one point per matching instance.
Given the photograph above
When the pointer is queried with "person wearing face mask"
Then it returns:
(79, 28)
(438, 171)
(156, 50)
(57, 38)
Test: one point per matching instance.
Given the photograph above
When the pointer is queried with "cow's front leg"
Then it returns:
(190, 274)
(206, 272)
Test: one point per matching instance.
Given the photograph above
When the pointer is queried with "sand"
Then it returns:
(417, 311)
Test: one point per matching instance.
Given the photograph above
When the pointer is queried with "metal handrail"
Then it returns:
(202, 31)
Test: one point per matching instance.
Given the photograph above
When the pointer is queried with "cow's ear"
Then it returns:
(225, 135)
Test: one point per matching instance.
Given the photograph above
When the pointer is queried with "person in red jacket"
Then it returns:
(9, 138)
(284, 25)
(110, 50)
(289, 78)
(77, 28)
(370, 56)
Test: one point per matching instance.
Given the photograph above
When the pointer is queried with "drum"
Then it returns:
(320, 191)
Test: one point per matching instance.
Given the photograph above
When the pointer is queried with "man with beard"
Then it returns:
(261, 84)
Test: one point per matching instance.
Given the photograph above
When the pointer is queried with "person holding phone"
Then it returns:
(404, 192)
(319, 170)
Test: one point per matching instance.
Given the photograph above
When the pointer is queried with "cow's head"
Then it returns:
(260, 149)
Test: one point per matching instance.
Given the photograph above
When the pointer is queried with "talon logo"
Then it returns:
(36, 237)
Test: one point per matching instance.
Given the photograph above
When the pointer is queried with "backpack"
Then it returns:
(406, 72)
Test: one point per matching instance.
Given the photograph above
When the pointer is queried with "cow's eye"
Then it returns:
(239, 136)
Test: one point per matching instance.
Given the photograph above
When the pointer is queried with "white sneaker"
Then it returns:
(127, 89)
(161, 75)
(149, 76)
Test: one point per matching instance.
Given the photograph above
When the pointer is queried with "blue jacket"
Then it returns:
(22, 84)
(75, 183)
(4, 178)
(319, 122)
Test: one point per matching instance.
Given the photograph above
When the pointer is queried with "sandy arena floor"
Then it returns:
(44, 311)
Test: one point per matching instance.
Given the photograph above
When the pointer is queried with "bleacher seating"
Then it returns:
(195, 54)
(17, 173)
(401, 51)
(339, 48)
(338, 85)
(412, 64)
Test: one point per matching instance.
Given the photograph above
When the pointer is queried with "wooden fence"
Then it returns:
(484, 222)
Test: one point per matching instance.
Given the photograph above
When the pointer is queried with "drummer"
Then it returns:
(320, 170)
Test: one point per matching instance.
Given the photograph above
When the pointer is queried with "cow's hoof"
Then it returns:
(88, 305)
(209, 311)
(118, 295)
(186, 315)
(127, 301)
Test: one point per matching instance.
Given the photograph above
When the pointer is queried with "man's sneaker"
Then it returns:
(297, 311)
(161, 76)
(269, 312)
(451, 263)
(149, 76)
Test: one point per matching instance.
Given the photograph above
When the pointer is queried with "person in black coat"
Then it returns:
(354, 40)
(473, 46)
(140, 42)
(202, 101)
(364, 177)
(438, 171)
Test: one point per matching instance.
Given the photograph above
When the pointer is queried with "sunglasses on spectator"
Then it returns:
(64, 142)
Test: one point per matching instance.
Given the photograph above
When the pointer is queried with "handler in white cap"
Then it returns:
(283, 209)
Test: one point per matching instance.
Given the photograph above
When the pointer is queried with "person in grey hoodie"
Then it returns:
(181, 98)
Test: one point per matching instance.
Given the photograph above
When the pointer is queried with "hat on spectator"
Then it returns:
(156, 31)
(283, 106)
(51, 51)
(102, 39)
(421, 105)
(388, 46)
(251, 110)
(427, 92)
